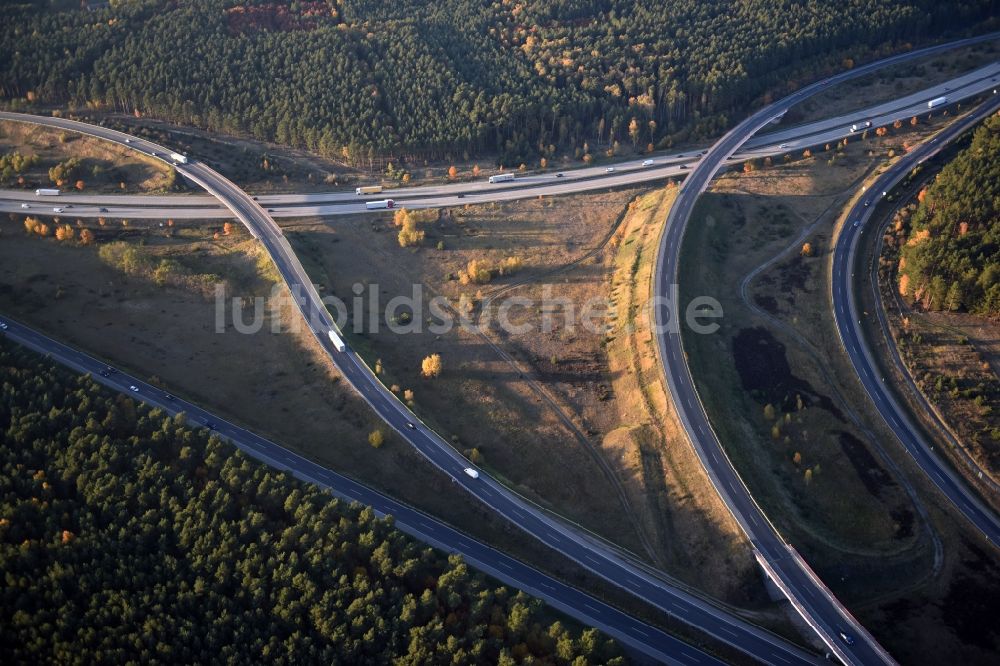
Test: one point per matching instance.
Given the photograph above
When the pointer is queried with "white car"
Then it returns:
(128, 140)
(783, 146)
(133, 388)
(471, 472)
(57, 210)
(610, 169)
(3, 326)
(25, 206)
(647, 163)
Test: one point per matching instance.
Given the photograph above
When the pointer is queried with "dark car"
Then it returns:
(102, 210)
(460, 195)
(683, 166)
(210, 425)
(559, 175)
(105, 373)
(169, 397)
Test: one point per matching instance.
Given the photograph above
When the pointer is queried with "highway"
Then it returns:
(632, 633)
(598, 557)
(632, 172)
(849, 326)
(843, 635)
(816, 604)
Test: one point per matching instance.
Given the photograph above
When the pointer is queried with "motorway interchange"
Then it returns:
(843, 636)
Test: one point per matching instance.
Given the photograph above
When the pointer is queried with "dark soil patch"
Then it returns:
(904, 522)
(971, 609)
(768, 303)
(794, 274)
(872, 475)
(765, 374)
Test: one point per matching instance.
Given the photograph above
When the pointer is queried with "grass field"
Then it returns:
(104, 166)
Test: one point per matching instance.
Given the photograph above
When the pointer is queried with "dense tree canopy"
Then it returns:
(128, 537)
(951, 260)
(355, 77)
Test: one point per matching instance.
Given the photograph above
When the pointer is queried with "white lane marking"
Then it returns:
(726, 630)
(592, 609)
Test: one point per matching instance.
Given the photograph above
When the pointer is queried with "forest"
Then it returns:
(951, 258)
(410, 79)
(127, 536)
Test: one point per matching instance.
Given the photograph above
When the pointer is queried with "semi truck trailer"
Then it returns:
(382, 203)
(501, 178)
(368, 189)
(46, 192)
(335, 339)
(937, 101)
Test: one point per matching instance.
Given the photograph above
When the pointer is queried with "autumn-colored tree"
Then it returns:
(897, 124)
(431, 365)
(170, 223)
(452, 173)
(86, 237)
(588, 158)
(807, 250)
(401, 217)
(543, 163)
(227, 228)
(633, 132)
(101, 221)
(922, 195)
(769, 412)
(748, 166)
(914, 121)
(478, 272)
(65, 232)
(806, 154)
(376, 438)
(408, 396)
(125, 224)
(409, 235)
(216, 236)
(476, 170)
(797, 458)
(406, 178)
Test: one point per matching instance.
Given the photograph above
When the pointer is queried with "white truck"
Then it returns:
(335, 339)
(178, 158)
(860, 126)
(381, 203)
(368, 189)
(501, 178)
(46, 192)
(937, 101)
(471, 472)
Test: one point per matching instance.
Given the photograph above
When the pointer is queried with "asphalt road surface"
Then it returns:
(849, 325)
(833, 623)
(632, 633)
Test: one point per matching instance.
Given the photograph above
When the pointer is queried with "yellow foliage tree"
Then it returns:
(431, 365)
(452, 173)
(376, 438)
(86, 237)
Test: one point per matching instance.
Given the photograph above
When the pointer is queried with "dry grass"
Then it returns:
(105, 165)
(480, 401)
(892, 82)
(665, 475)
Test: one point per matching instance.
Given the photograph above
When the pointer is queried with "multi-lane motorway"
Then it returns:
(842, 634)
(633, 633)
(785, 140)
(829, 618)
(598, 557)
(850, 327)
